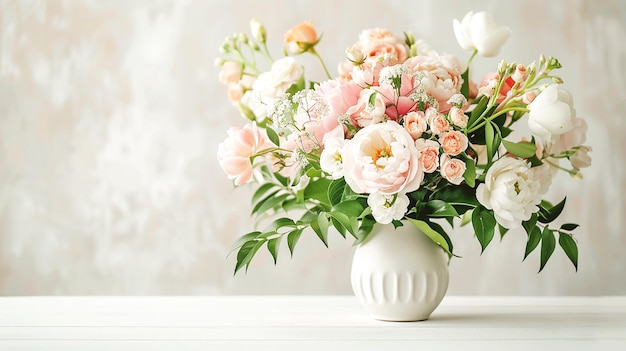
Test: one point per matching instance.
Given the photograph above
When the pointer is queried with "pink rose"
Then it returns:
(369, 109)
(438, 123)
(429, 154)
(415, 123)
(235, 154)
(452, 169)
(375, 42)
(453, 142)
(398, 101)
(442, 76)
(382, 158)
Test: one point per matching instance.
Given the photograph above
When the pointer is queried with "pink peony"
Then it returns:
(382, 158)
(376, 41)
(442, 76)
(235, 154)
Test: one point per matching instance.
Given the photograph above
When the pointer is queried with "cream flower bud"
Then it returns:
(480, 32)
(354, 55)
(258, 30)
(521, 74)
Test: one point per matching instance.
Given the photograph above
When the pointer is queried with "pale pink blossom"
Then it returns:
(230, 73)
(429, 154)
(415, 123)
(235, 154)
(453, 142)
(340, 97)
(452, 169)
(382, 158)
(575, 137)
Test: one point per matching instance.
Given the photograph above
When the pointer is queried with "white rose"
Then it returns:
(285, 72)
(385, 209)
(479, 31)
(551, 113)
(511, 191)
(331, 160)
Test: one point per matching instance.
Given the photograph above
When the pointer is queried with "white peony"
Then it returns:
(385, 209)
(479, 31)
(551, 113)
(511, 191)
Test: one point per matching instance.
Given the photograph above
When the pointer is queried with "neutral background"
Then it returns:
(111, 113)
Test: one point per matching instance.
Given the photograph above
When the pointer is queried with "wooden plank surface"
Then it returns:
(306, 323)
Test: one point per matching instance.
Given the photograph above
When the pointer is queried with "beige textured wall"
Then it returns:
(111, 113)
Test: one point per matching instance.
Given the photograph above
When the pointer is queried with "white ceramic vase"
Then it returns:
(399, 274)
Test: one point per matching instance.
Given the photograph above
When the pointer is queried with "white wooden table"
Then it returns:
(307, 323)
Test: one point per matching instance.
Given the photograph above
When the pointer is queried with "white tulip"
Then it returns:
(479, 31)
(551, 113)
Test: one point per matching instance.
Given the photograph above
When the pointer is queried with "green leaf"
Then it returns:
(534, 237)
(465, 85)
(470, 172)
(269, 203)
(292, 239)
(261, 191)
(530, 224)
(244, 238)
(345, 221)
(320, 227)
(569, 226)
(318, 190)
(548, 243)
(367, 224)
(432, 234)
(484, 225)
(481, 104)
(272, 246)
(522, 149)
(439, 208)
(570, 248)
(336, 190)
(351, 208)
(271, 134)
(502, 231)
(246, 253)
(489, 141)
(549, 213)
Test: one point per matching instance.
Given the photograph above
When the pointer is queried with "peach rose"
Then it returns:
(458, 117)
(235, 154)
(230, 73)
(452, 169)
(301, 37)
(377, 41)
(429, 154)
(365, 113)
(415, 123)
(438, 123)
(453, 142)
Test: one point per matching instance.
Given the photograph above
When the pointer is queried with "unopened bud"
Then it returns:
(258, 30)
(520, 74)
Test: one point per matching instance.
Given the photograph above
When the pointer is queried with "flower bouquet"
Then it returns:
(401, 135)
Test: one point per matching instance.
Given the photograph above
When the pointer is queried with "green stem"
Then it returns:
(319, 58)
(501, 112)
